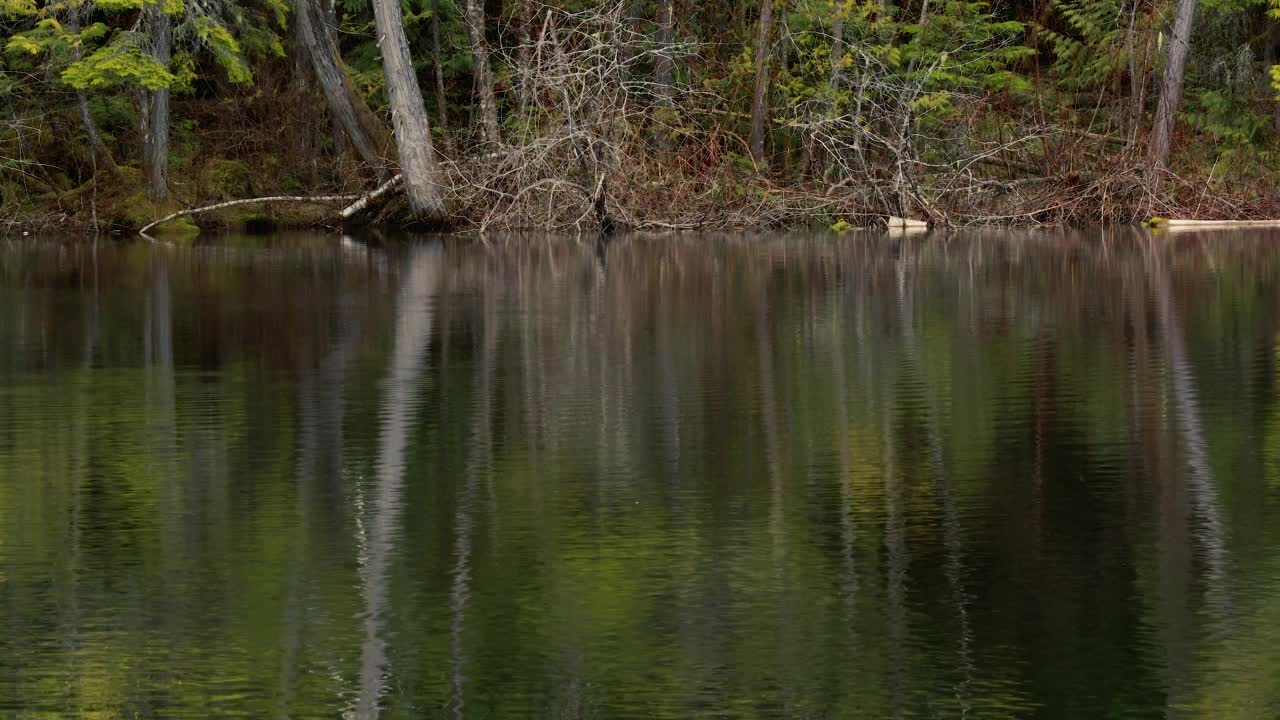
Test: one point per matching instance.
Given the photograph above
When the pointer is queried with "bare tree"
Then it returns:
(760, 98)
(412, 129)
(442, 105)
(663, 62)
(1171, 84)
(483, 72)
(837, 42)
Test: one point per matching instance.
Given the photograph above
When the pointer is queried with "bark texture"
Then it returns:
(155, 141)
(408, 115)
(760, 98)
(483, 73)
(1171, 84)
(666, 36)
(367, 134)
(442, 104)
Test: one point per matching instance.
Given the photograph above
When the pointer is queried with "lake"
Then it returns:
(992, 475)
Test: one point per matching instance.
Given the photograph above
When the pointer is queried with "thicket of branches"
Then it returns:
(644, 113)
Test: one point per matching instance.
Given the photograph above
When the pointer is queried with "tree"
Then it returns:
(663, 62)
(367, 134)
(760, 96)
(483, 72)
(155, 114)
(1171, 84)
(422, 182)
(101, 154)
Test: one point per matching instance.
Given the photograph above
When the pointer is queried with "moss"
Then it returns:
(178, 229)
(222, 180)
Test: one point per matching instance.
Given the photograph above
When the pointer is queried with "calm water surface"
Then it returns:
(988, 476)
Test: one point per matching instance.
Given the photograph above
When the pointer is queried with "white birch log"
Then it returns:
(248, 201)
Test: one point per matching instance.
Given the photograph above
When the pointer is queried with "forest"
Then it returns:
(646, 114)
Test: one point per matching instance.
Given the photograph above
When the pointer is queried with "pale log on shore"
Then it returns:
(897, 223)
(1214, 224)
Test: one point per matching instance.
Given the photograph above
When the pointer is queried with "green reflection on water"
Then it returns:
(1001, 475)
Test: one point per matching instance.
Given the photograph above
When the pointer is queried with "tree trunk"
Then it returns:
(335, 125)
(361, 126)
(837, 45)
(1271, 55)
(422, 181)
(760, 99)
(101, 155)
(631, 41)
(1171, 84)
(155, 141)
(442, 105)
(483, 73)
(663, 63)
(307, 123)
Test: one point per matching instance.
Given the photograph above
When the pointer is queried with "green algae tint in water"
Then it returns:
(991, 476)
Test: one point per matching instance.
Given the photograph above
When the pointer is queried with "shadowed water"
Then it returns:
(1000, 475)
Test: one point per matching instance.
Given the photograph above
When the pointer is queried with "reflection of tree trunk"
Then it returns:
(848, 528)
(773, 454)
(1186, 405)
(80, 437)
(159, 389)
(412, 337)
(952, 538)
(479, 463)
(895, 541)
(158, 363)
(320, 444)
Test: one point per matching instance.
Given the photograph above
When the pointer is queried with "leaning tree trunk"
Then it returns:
(155, 140)
(483, 73)
(760, 99)
(367, 134)
(408, 115)
(1171, 84)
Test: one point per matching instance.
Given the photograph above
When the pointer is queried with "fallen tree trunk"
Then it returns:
(362, 201)
(250, 201)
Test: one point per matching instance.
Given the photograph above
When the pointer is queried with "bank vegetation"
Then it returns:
(661, 114)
